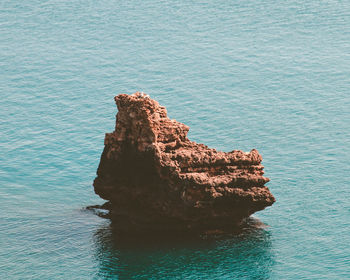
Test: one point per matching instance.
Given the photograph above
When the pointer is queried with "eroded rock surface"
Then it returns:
(155, 178)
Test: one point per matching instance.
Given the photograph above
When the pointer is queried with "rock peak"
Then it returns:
(157, 179)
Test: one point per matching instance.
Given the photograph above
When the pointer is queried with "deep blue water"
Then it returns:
(270, 75)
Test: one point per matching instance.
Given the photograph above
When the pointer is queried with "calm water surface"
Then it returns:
(270, 75)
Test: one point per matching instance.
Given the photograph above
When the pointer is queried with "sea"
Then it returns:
(270, 75)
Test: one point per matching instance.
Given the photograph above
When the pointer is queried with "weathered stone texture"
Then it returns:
(157, 179)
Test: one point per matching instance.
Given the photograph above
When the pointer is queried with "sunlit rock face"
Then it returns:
(156, 179)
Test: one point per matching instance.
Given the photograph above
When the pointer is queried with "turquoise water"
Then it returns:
(270, 75)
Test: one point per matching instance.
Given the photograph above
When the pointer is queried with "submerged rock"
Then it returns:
(155, 178)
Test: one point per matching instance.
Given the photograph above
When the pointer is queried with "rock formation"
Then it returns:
(155, 178)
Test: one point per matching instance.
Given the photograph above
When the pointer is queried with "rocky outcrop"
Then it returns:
(155, 178)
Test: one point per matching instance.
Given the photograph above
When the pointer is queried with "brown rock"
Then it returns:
(157, 179)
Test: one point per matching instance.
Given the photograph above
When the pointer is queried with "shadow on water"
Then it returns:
(245, 254)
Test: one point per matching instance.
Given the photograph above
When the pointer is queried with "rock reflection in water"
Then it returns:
(244, 254)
